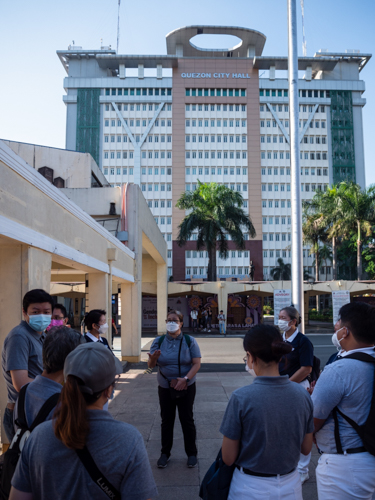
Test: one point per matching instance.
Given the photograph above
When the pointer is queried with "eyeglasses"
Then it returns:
(246, 357)
(56, 316)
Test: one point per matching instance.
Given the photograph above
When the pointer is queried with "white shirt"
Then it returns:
(292, 337)
(366, 350)
(194, 314)
(93, 338)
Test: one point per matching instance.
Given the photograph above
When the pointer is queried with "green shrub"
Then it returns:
(267, 309)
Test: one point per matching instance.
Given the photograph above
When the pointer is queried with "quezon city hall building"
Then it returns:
(166, 121)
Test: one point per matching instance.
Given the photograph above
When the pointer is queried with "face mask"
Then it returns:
(283, 325)
(335, 341)
(112, 394)
(103, 329)
(39, 322)
(173, 327)
(55, 322)
(250, 370)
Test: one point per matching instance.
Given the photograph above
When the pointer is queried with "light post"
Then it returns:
(295, 188)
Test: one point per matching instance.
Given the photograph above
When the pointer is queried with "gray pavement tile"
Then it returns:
(209, 418)
(209, 431)
(204, 464)
(207, 396)
(309, 490)
(210, 406)
(176, 474)
(154, 449)
(208, 448)
(176, 493)
(156, 432)
(202, 390)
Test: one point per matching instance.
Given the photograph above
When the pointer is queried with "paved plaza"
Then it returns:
(136, 402)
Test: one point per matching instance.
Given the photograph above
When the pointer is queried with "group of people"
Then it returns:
(268, 428)
(202, 318)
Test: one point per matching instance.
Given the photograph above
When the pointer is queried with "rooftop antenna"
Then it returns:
(303, 29)
(118, 24)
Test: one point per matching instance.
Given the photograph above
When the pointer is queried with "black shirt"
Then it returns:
(302, 355)
(102, 339)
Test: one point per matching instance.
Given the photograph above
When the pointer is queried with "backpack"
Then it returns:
(12, 455)
(366, 431)
(315, 372)
(186, 337)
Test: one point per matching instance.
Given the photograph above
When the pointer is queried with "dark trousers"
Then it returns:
(185, 413)
(8, 424)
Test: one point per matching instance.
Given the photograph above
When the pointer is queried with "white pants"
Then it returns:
(304, 460)
(346, 477)
(244, 487)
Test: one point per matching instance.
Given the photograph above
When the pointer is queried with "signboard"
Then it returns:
(339, 299)
(216, 75)
(149, 312)
(281, 299)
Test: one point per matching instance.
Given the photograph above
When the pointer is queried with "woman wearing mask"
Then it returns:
(97, 326)
(53, 463)
(179, 359)
(263, 420)
(297, 364)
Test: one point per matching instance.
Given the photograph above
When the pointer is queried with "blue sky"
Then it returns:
(31, 84)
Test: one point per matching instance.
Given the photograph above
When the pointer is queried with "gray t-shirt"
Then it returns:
(270, 417)
(22, 350)
(347, 384)
(168, 360)
(48, 469)
(37, 393)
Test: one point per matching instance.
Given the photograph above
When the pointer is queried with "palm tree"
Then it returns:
(314, 232)
(282, 272)
(358, 209)
(215, 211)
(325, 254)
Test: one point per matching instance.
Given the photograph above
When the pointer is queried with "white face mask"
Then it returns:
(173, 327)
(283, 325)
(103, 329)
(250, 370)
(335, 341)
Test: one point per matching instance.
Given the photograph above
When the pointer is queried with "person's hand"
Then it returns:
(310, 389)
(181, 384)
(173, 383)
(153, 358)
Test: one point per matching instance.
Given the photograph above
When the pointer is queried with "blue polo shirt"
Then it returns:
(301, 355)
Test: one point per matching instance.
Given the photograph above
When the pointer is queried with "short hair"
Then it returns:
(178, 313)
(292, 313)
(37, 296)
(266, 343)
(359, 317)
(62, 309)
(59, 342)
(93, 317)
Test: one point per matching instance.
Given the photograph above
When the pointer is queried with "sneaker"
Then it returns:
(192, 461)
(204, 329)
(209, 331)
(304, 476)
(163, 461)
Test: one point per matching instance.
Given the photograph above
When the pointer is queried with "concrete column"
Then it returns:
(162, 296)
(122, 71)
(222, 301)
(131, 321)
(141, 71)
(272, 73)
(159, 71)
(22, 268)
(97, 293)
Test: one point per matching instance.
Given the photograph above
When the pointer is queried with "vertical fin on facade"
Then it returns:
(88, 122)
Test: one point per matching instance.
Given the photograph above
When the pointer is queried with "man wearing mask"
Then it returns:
(22, 357)
(97, 326)
(346, 469)
(59, 317)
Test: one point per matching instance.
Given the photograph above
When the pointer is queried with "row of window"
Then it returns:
(278, 220)
(275, 187)
(233, 187)
(269, 155)
(302, 108)
(304, 171)
(280, 108)
(163, 220)
(316, 138)
(203, 254)
(279, 253)
(219, 123)
(150, 138)
(270, 203)
(214, 171)
(302, 123)
(221, 270)
(118, 171)
(309, 269)
(155, 187)
(274, 139)
(162, 203)
(216, 154)
(278, 237)
(138, 107)
(155, 171)
(143, 92)
(145, 123)
(215, 92)
(194, 236)
(130, 154)
(273, 93)
(217, 107)
(216, 138)
(302, 93)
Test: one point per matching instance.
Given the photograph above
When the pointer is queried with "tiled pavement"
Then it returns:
(136, 402)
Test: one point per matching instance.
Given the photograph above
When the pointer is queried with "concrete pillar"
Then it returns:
(272, 73)
(141, 71)
(131, 321)
(162, 296)
(159, 71)
(97, 293)
(122, 71)
(22, 268)
(222, 301)
(308, 74)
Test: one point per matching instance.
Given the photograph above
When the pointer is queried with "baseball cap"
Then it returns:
(94, 364)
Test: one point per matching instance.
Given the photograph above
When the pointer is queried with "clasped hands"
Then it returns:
(180, 384)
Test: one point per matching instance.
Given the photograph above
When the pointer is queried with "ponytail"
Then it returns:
(70, 419)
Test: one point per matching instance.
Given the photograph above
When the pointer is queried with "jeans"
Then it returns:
(8, 424)
(222, 327)
(195, 324)
(209, 322)
(185, 412)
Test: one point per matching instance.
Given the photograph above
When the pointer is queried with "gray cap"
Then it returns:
(94, 364)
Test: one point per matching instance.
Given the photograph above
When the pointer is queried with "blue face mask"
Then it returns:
(39, 322)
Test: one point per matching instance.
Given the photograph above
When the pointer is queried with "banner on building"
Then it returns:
(339, 299)
(149, 312)
(281, 299)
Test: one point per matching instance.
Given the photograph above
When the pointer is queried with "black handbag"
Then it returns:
(216, 482)
(172, 391)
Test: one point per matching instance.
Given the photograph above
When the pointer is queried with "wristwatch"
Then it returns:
(187, 379)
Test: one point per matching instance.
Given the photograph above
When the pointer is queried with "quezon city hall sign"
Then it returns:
(216, 75)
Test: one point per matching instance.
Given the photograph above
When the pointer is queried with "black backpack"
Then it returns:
(315, 372)
(12, 455)
(366, 431)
